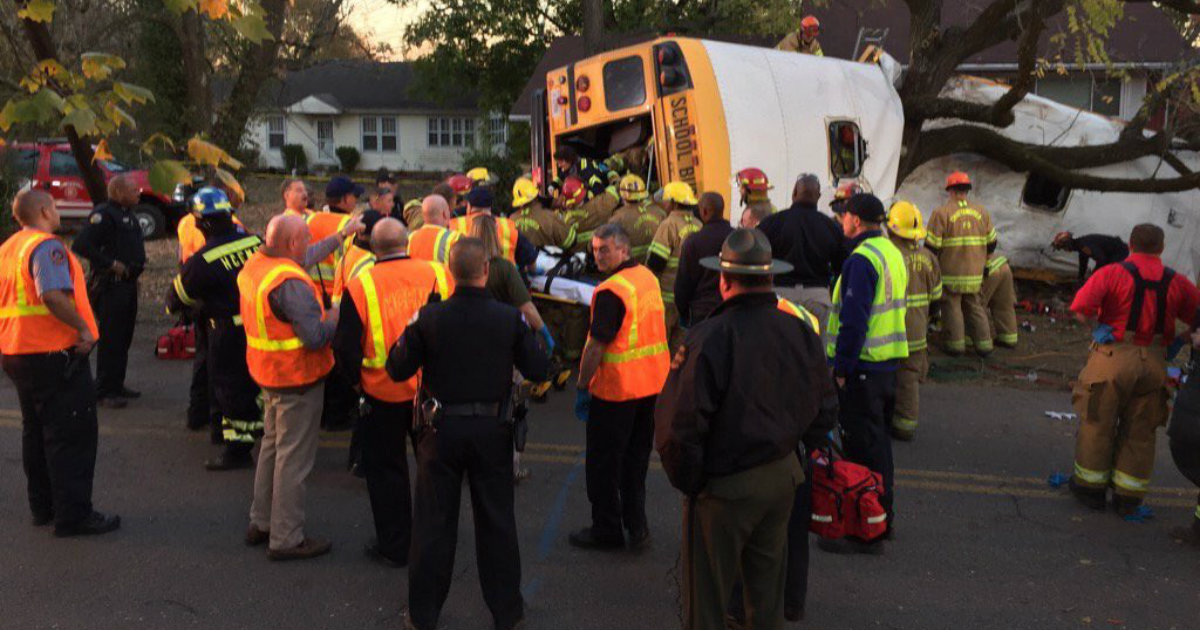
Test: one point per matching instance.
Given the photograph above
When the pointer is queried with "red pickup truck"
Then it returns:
(51, 166)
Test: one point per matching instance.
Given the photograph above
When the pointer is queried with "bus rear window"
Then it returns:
(624, 83)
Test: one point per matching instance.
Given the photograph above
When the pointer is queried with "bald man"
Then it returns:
(112, 244)
(46, 332)
(432, 240)
(380, 301)
(288, 334)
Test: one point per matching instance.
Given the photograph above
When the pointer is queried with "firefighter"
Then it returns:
(752, 188)
(840, 196)
(379, 302)
(433, 239)
(207, 285)
(804, 40)
(999, 299)
(1121, 395)
(637, 215)
(459, 185)
(593, 174)
(663, 257)
(924, 288)
(480, 176)
(867, 342)
(534, 219)
(962, 235)
(584, 215)
(624, 366)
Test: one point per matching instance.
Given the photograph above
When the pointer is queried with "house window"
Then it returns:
(497, 127)
(379, 134)
(846, 150)
(275, 132)
(1081, 91)
(1043, 193)
(451, 132)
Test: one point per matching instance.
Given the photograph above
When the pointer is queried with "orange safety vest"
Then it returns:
(275, 355)
(432, 242)
(191, 239)
(506, 232)
(321, 225)
(26, 324)
(635, 364)
(386, 297)
(356, 261)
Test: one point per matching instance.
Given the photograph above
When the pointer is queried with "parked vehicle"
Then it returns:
(51, 166)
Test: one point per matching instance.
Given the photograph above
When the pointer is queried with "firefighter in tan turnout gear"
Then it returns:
(924, 287)
(535, 221)
(637, 215)
(962, 235)
(663, 257)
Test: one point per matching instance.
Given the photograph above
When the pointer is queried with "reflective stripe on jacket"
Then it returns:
(26, 324)
(635, 364)
(886, 337)
(275, 355)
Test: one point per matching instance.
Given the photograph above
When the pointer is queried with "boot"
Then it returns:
(1092, 498)
(1125, 505)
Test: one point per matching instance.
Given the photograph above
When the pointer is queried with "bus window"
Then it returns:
(846, 152)
(624, 84)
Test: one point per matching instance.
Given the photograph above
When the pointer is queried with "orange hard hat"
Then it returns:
(753, 179)
(846, 191)
(460, 183)
(957, 178)
(810, 23)
(573, 191)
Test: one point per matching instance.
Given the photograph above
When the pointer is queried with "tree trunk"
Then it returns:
(196, 72)
(43, 48)
(256, 64)
(593, 25)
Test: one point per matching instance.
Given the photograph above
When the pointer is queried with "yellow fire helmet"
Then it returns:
(480, 174)
(633, 188)
(904, 220)
(679, 192)
(523, 192)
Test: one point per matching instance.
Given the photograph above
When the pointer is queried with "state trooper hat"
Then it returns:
(746, 251)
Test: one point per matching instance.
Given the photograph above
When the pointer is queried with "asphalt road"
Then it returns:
(982, 541)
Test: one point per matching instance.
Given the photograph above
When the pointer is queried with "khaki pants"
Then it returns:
(1000, 301)
(739, 522)
(1121, 399)
(959, 312)
(908, 392)
(816, 299)
(291, 426)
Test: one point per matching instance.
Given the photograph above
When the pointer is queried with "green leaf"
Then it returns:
(83, 120)
(99, 66)
(118, 116)
(166, 174)
(131, 93)
(37, 11)
(252, 27)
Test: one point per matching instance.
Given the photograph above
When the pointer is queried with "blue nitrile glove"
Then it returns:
(1103, 333)
(548, 338)
(583, 404)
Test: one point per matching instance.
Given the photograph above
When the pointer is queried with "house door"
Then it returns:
(325, 148)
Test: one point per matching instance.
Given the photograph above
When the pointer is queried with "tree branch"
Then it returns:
(1183, 6)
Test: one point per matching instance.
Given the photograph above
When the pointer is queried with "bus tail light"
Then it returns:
(672, 69)
(584, 103)
(582, 84)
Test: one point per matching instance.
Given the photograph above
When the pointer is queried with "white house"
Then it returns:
(367, 105)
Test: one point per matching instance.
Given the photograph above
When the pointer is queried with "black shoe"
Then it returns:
(93, 524)
(129, 393)
(586, 539)
(197, 424)
(639, 540)
(1126, 505)
(112, 402)
(793, 613)
(1092, 498)
(847, 546)
(371, 550)
(228, 461)
(40, 520)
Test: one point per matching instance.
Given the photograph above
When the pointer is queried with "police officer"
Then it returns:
(867, 342)
(377, 305)
(466, 348)
(207, 285)
(623, 368)
(665, 249)
(535, 220)
(46, 332)
(637, 215)
(112, 243)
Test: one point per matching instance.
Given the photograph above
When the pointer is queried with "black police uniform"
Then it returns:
(207, 284)
(467, 347)
(112, 233)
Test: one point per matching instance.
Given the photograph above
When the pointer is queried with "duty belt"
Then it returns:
(483, 410)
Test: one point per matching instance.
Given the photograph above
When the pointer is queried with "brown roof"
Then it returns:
(1144, 36)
